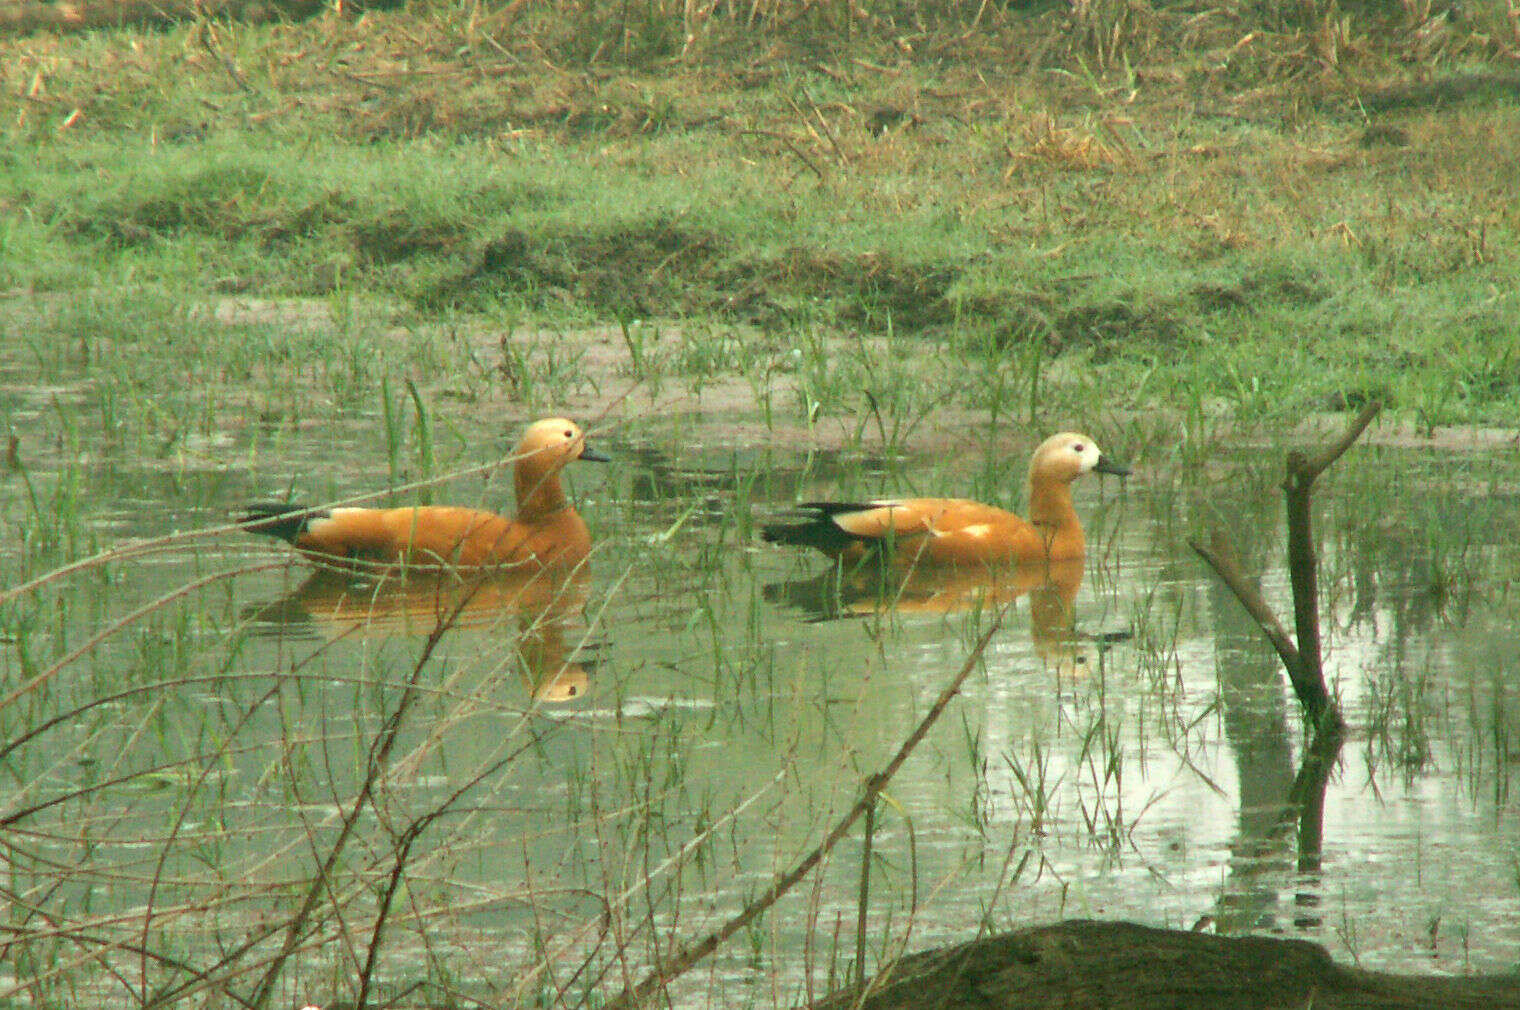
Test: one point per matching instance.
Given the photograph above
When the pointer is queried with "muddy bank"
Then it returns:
(1083, 963)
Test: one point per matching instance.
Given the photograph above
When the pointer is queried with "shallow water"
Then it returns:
(650, 743)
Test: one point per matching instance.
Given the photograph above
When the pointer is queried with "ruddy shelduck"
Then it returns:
(954, 531)
(546, 530)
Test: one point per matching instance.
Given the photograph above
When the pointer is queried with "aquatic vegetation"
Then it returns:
(867, 272)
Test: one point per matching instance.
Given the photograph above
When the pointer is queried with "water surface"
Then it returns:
(586, 773)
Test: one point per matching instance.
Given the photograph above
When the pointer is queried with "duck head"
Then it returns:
(1065, 457)
(553, 443)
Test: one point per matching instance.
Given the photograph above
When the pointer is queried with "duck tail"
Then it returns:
(278, 519)
(816, 529)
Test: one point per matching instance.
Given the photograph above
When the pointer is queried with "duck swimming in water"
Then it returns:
(956, 531)
(545, 531)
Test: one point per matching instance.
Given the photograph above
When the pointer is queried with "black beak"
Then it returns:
(1106, 465)
(587, 453)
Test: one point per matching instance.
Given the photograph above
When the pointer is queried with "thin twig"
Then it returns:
(828, 131)
(111, 629)
(525, 981)
(212, 46)
(864, 900)
(379, 761)
(1300, 655)
(1310, 468)
(1220, 554)
(98, 944)
(212, 761)
(790, 147)
(1303, 565)
(687, 956)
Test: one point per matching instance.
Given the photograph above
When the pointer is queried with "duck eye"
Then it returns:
(569, 434)
(1079, 447)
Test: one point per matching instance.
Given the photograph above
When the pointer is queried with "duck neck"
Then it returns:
(538, 491)
(1051, 509)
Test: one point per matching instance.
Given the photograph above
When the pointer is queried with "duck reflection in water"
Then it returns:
(940, 555)
(844, 591)
(536, 608)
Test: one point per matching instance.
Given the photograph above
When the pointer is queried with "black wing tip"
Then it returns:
(789, 533)
(277, 519)
(834, 508)
(816, 527)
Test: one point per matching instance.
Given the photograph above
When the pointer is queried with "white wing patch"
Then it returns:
(839, 518)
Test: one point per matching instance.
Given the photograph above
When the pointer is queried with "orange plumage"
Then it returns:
(546, 530)
(955, 531)
(946, 589)
(540, 604)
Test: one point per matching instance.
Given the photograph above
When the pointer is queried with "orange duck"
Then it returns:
(955, 531)
(546, 530)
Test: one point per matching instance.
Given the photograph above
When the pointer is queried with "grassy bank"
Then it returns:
(1179, 208)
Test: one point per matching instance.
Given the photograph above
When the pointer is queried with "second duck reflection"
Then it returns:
(871, 589)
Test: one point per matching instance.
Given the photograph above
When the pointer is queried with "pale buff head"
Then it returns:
(550, 444)
(1065, 457)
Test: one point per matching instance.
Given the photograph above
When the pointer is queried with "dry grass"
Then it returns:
(957, 170)
(524, 69)
(1063, 147)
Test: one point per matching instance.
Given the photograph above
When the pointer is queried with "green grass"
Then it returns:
(1320, 297)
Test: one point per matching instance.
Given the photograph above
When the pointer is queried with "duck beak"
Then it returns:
(1106, 465)
(587, 453)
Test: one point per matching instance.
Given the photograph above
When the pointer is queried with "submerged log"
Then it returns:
(1082, 964)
